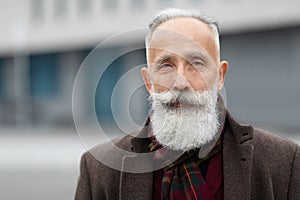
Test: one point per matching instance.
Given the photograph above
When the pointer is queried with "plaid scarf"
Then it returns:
(182, 179)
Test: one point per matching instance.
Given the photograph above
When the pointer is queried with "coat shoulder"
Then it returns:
(106, 152)
(275, 164)
(267, 140)
(274, 153)
(100, 168)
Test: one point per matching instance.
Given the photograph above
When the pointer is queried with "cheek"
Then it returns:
(198, 83)
(201, 81)
(163, 82)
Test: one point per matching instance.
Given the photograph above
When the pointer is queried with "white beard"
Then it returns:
(185, 128)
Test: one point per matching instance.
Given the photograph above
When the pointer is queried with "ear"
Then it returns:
(146, 78)
(222, 73)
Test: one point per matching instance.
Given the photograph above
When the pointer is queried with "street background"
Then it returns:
(43, 43)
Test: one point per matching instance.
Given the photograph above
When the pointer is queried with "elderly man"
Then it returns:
(197, 150)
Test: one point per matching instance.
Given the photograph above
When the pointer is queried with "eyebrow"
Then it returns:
(163, 58)
(187, 56)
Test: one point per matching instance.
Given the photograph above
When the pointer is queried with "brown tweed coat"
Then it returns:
(256, 165)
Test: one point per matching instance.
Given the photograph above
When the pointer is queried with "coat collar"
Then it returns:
(139, 143)
(137, 185)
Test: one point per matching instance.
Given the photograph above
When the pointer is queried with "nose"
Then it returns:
(181, 83)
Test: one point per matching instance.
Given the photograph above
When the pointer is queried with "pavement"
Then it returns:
(39, 163)
(43, 163)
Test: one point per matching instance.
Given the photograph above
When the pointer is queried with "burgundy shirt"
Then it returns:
(211, 170)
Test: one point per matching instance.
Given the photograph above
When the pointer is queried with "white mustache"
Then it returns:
(193, 98)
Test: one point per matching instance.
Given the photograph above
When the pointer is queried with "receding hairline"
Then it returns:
(174, 13)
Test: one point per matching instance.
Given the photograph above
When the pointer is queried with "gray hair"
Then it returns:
(172, 13)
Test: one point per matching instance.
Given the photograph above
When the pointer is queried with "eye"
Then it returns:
(165, 67)
(198, 64)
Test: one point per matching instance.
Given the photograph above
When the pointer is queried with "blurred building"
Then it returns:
(44, 42)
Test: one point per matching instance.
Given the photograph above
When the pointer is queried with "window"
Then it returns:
(110, 5)
(106, 85)
(44, 75)
(1, 78)
(37, 10)
(137, 5)
(167, 2)
(85, 7)
(60, 8)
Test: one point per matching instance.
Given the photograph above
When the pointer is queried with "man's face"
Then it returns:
(183, 54)
(183, 77)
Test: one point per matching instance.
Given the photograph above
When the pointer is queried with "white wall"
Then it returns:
(57, 26)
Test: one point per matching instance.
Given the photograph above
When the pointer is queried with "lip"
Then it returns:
(182, 105)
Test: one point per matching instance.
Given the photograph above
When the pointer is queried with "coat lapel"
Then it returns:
(237, 160)
(137, 185)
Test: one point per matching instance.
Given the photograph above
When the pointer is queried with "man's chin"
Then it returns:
(181, 126)
(183, 144)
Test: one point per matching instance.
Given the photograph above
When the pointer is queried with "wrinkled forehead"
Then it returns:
(170, 42)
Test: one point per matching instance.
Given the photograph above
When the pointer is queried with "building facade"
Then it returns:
(44, 43)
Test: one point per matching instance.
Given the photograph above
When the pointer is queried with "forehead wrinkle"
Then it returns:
(186, 30)
(195, 54)
(182, 49)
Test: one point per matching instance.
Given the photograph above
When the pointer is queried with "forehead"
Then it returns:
(183, 34)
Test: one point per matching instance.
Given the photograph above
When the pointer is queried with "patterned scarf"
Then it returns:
(182, 179)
